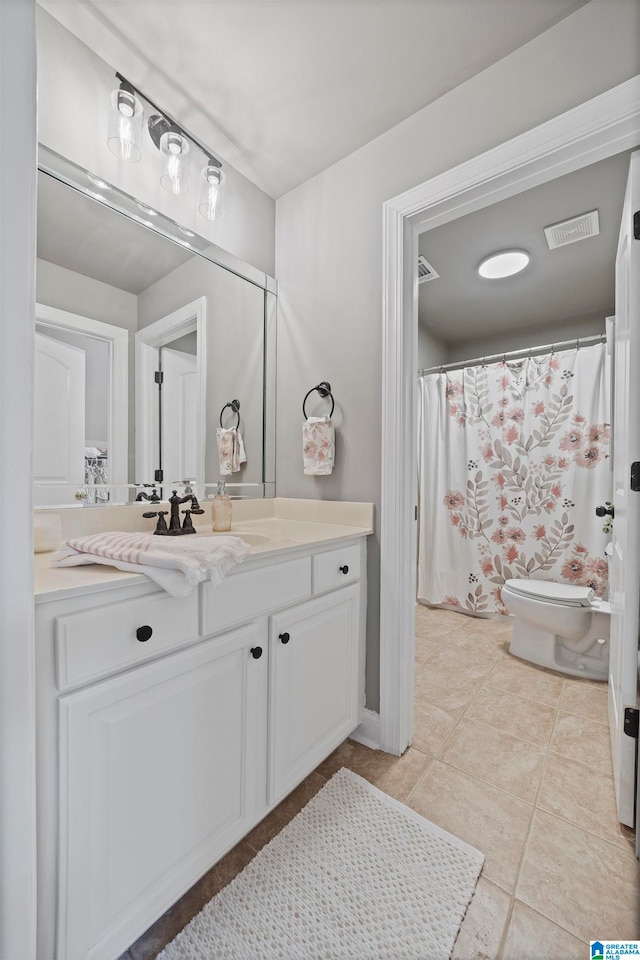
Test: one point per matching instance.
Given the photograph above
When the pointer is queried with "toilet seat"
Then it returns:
(564, 594)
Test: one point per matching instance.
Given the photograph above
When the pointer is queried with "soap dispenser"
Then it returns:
(221, 509)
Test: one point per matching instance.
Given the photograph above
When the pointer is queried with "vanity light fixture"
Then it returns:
(172, 141)
(505, 263)
(125, 123)
(212, 181)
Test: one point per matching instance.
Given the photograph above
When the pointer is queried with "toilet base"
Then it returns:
(591, 660)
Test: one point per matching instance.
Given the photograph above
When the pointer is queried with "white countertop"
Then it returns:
(281, 535)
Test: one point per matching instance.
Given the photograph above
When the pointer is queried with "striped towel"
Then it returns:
(175, 564)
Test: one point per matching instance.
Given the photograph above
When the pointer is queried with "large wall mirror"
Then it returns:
(149, 341)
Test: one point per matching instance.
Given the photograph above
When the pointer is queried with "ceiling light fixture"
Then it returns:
(505, 263)
(173, 142)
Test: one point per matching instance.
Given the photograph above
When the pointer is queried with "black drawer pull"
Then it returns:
(144, 633)
(256, 652)
(344, 569)
(284, 637)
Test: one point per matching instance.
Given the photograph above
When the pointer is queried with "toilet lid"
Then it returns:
(565, 593)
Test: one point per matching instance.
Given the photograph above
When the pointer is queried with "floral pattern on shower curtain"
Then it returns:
(513, 460)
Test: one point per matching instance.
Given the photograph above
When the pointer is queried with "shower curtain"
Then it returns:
(513, 460)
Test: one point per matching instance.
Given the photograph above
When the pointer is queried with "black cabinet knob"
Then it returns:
(344, 569)
(604, 511)
(284, 637)
(256, 652)
(144, 633)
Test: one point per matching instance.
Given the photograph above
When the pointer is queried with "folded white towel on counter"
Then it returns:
(231, 452)
(177, 564)
(318, 446)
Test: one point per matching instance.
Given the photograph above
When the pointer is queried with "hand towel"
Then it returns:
(231, 452)
(175, 564)
(318, 446)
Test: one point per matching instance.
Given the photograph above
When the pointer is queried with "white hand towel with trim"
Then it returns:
(231, 452)
(175, 564)
(318, 446)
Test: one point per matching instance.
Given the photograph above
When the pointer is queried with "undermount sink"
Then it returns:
(253, 539)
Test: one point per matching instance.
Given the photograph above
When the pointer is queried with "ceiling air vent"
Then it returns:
(426, 271)
(570, 231)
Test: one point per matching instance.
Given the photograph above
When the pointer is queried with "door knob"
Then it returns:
(604, 511)
(284, 637)
(256, 652)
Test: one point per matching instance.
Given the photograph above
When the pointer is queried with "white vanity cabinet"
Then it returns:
(313, 666)
(168, 728)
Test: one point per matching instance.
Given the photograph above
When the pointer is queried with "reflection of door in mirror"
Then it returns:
(180, 407)
(59, 420)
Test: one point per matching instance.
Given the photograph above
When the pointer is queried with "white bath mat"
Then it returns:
(355, 875)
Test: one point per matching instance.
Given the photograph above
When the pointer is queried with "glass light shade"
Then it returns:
(503, 264)
(175, 150)
(211, 201)
(125, 126)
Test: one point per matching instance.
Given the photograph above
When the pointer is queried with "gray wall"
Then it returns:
(234, 348)
(74, 86)
(588, 326)
(431, 350)
(329, 244)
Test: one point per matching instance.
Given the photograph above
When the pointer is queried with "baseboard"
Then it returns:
(368, 733)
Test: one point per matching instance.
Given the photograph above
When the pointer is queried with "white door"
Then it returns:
(58, 428)
(625, 563)
(161, 770)
(179, 416)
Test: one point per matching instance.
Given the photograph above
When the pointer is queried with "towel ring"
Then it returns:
(235, 407)
(324, 389)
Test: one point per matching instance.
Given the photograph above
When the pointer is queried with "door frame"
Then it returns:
(187, 319)
(592, 131)
(117, 339)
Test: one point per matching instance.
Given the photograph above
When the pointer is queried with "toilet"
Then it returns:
(560, 626)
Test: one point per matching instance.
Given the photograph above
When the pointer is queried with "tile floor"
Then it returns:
(515, 760)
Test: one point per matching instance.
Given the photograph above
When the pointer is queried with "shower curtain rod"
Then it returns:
(514, 354)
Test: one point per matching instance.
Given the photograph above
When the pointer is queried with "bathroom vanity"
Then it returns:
(168, 727)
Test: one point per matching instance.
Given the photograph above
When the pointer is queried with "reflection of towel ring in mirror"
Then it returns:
(235, 407)
(324, 389)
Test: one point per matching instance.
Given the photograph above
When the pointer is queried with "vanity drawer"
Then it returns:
(253, 592)
(103, 640)
(336, 567)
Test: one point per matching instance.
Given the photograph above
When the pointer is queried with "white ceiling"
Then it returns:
(574, 281)
(282, 89)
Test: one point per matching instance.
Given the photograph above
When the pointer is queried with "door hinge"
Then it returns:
(631, 722)
(158, 376)
(634, 483)
(158, 476)
(636, 225)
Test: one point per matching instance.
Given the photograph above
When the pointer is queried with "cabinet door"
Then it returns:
(162, 770)
(313, 685)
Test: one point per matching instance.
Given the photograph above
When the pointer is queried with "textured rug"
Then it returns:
(355, 875)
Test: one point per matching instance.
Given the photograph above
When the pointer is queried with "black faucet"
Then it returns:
(152, 497)
(174, 529)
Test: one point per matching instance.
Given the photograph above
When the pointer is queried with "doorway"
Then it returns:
(600, 128)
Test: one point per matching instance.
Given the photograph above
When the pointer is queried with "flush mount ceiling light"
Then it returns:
(126, 120)
(505, 263)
